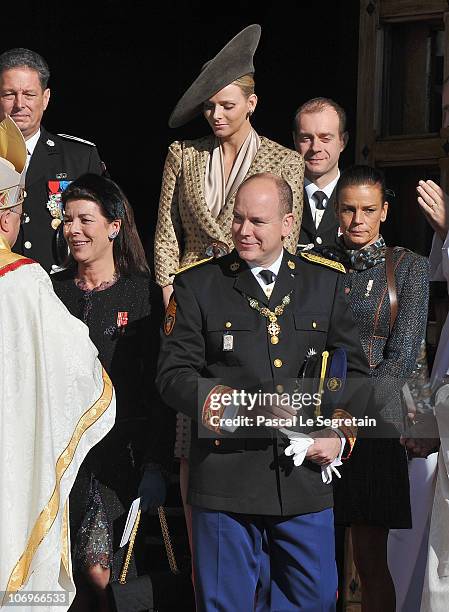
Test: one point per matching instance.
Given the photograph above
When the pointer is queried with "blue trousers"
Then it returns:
(227, 557)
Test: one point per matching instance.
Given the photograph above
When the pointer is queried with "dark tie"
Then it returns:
(320, 196)
(267, 276)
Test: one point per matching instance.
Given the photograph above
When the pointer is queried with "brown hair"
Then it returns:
(128, 252)
(318, 105)
(362, 175)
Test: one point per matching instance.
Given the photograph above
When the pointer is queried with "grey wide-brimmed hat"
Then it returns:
(232, 62)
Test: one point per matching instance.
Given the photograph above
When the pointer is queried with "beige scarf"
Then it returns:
(217, 192)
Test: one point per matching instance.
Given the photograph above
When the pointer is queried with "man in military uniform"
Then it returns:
(248, 321)
(53, 160)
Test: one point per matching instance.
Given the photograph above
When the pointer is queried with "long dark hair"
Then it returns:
(128, 252)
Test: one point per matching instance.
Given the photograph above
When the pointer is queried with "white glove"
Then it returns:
(299, 443)
(326, 471)
(298, 447)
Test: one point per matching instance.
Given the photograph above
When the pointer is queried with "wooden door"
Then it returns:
(403, 63)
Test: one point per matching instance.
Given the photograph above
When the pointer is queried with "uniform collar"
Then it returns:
(32, 142)
(274, 266)
(247, 284)
(285, 281)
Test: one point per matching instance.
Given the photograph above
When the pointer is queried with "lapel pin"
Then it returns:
(291, 264)
(234, 266)
(50, 143)
(369, 286)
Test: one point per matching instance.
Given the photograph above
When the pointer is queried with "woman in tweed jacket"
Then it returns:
(373, 493)
(202, 176)
(186, 226)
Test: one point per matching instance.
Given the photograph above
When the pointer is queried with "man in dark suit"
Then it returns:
(319, 133)
(247, 321)
(53, 160)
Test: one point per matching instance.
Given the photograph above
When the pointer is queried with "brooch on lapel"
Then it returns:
(122, 319)
(369, 286)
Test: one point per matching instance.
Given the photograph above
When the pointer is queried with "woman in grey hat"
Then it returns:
(201, 176)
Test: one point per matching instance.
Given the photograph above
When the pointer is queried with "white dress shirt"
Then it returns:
(31, 145)
(267, 289)
(310, 189)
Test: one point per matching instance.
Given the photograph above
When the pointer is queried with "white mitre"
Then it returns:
(13, 156)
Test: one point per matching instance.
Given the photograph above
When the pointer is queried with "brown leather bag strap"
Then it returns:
(391, 283)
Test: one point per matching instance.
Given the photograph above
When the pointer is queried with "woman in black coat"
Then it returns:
(107, 285)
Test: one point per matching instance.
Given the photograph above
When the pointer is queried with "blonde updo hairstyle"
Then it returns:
(246, 84)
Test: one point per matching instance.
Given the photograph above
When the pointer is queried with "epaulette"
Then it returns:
(336, 265)
(92, 144)
(192, 265)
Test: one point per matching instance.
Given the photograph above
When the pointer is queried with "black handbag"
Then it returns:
(150, 592)
(133, 596)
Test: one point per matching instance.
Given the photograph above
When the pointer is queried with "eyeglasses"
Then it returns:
(23, 215)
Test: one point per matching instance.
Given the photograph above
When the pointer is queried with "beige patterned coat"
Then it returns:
(185, 226)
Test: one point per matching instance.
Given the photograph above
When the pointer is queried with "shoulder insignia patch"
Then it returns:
(318, 259)
(170, 316)
(192, 265)
(91, 144)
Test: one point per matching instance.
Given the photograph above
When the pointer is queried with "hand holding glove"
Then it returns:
(300, 444)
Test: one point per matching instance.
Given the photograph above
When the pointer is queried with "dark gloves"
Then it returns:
(152, 487)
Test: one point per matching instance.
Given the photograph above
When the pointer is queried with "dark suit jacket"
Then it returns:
(326, 232)
(53, 158)
(252, 475)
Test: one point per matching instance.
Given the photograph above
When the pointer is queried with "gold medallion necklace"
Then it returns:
(273, 327)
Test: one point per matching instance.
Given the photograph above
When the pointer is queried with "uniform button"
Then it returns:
(27, 244)
(228, 324)
(277, 363)
(318, 240)
(314, 324)
(279, 389)
(27, 219)
(217, 442)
